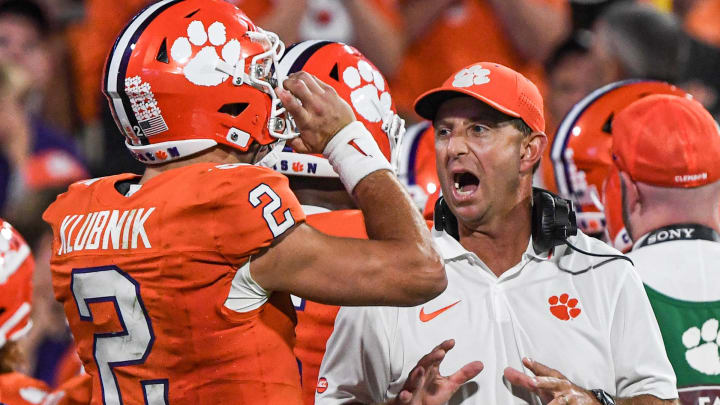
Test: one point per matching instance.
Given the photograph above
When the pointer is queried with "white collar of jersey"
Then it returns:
(451, 249)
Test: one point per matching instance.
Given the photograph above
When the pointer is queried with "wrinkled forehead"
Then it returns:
(466, 108)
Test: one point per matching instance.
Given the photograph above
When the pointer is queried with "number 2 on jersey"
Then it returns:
(275, 204)
(133, 344)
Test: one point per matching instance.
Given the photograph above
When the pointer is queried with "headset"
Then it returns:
(553, 222)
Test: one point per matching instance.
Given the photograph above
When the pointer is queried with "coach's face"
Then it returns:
(478, 154)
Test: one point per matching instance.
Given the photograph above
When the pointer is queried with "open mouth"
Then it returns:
(465, 183)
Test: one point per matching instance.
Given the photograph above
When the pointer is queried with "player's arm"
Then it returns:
(398, 266)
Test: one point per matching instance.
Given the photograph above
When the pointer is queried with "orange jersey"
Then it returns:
(315, 321)
(19, 389)
(151, 286)
(75, 391)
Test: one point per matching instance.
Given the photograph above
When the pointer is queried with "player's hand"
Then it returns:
(317, 110)
(425, 385)
(550, 385)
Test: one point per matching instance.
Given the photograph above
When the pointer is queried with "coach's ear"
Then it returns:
(631, 202)
(532, 148)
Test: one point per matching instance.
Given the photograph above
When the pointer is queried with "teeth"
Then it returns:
(457, 185)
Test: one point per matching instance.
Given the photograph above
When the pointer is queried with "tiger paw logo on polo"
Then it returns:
(702, 347)
(564, 307)
(471, 76)
(201, 69)
(369, 95)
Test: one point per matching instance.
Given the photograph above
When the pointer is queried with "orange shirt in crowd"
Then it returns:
(465, 33)
(148, 284)
(703, 21)
(19, 389)
(90, 41)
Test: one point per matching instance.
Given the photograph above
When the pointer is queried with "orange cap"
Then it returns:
(496, 85)
(667, 141)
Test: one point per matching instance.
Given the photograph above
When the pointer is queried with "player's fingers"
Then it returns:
(326, 87)
(540, 369)
(466, 373)
(292, 105)
(312, 83)
(298, 87)
(298, 145)
(520, 379)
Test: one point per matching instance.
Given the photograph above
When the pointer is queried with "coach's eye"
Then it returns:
(442, 132)
(478, 129)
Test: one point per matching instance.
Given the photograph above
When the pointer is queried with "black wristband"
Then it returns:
(603, 397)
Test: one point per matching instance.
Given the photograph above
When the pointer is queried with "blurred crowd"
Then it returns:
(55, 126)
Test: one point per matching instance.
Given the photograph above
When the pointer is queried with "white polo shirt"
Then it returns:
(600, 330)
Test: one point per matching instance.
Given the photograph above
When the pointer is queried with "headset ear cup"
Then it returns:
(543, 218)
(444, 219)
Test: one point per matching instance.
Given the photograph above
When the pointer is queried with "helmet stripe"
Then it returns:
(297, 56)
(415, 133)
(118, 63)
(14, 320)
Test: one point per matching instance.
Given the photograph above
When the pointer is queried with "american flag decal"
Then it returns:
(145, 107)
(153, 126)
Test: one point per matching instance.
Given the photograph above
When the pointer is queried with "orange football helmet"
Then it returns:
(581, 150)
(359, 83)
(417, 169)
(16, 273)
(184, 76)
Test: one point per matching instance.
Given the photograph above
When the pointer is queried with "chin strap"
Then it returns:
(272, 157)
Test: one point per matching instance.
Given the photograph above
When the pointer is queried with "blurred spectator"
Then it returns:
(33, 154)
(702, 19)
(572, 75)
(90, 41)
(636, 40)
(441, 36)
(372, 26)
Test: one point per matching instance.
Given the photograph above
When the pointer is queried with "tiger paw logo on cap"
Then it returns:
(471, 76)
(322, 385)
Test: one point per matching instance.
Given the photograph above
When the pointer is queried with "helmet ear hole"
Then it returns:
(233, 109)
(334, 73)
(607, 126)
(162, 55)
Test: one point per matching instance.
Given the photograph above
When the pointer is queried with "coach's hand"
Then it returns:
(317, 110)
(552, 387)
(425, 385)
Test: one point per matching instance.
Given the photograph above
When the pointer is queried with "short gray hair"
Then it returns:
(646, 42)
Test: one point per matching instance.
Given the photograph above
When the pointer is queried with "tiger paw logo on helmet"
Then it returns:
(471, 76)
(201, 69)
(369, 96)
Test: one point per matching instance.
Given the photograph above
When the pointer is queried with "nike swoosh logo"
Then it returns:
(428, 317)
